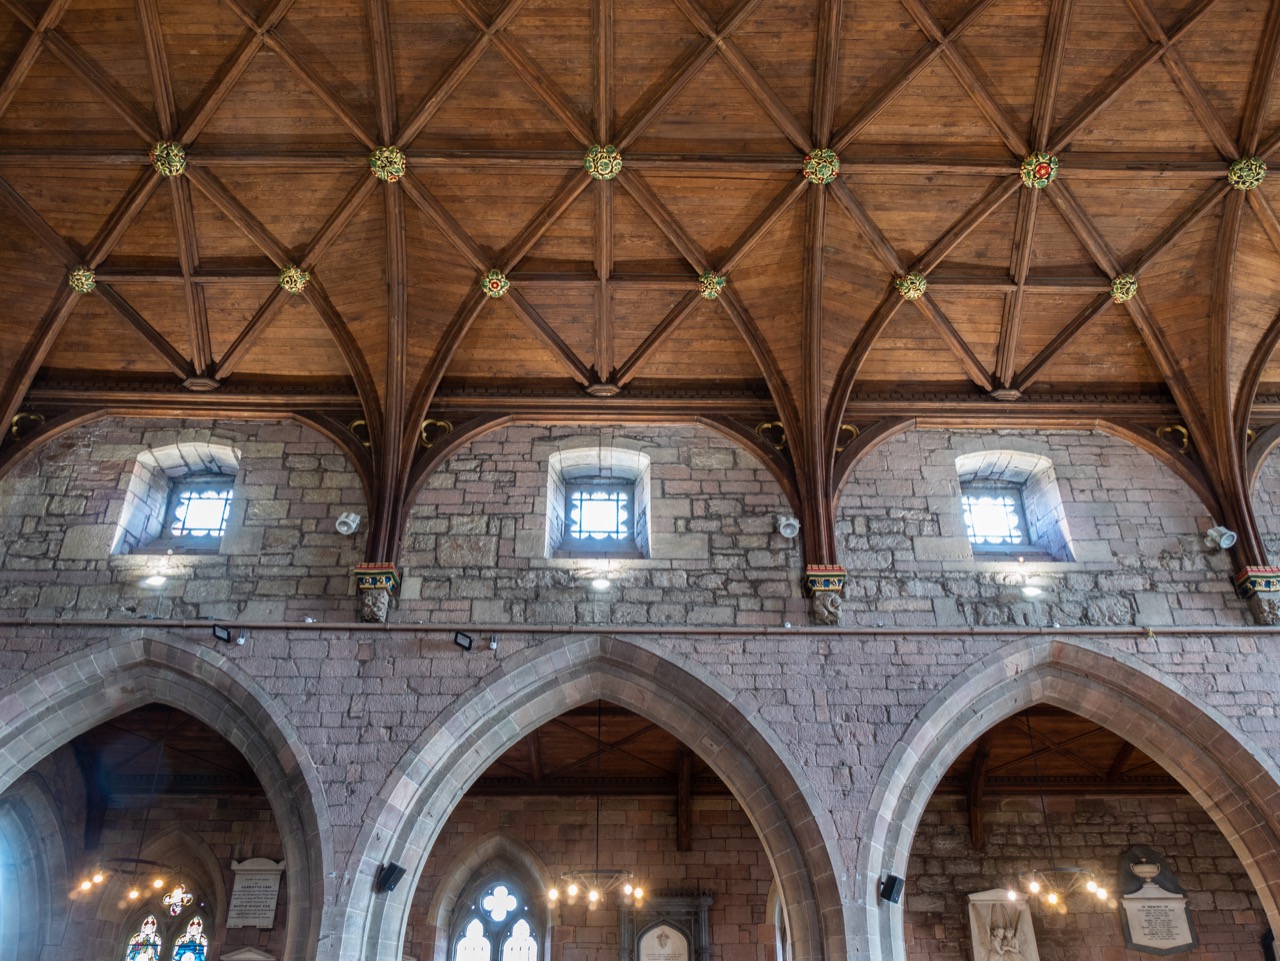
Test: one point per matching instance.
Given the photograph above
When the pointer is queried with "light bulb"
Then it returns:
(1013, 895)
(1102, 894)
(97, 878)
(1052, 898)
(627, 889)
(573, 890)
(158, 883)
(1092, 885)
(601, 584)
(133, 895)
(639, 893)
(1034, 887)
(553, 894)
(593, 895)
(85, 885)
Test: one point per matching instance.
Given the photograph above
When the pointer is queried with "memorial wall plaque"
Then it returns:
(254, 894)
(664, 943)
(1153, 906)
(1001, 929)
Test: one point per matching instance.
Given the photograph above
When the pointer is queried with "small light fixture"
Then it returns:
(601, 584)
(464, 641)
(788, 526)
(1030, 590)
(1220, 537)
(222, 633)
(347, 523)
(155, 580)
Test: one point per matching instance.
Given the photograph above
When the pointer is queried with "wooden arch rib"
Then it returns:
(1186, 469)
(357, 455)
(766, 453)
(15, 452)
(868, 439)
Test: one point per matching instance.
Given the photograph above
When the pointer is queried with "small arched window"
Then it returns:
(496, 927)
(148, 942)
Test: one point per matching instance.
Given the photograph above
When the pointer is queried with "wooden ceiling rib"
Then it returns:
(931, 104)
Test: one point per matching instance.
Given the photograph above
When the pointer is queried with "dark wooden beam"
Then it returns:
(826, 74)
(684, 802)
(35, 350)
(570, 361)
(603, 251)
(767, 218)
(1265, 65)
(189, 254)
(749, 331)
(857, 354)
(951, 337)
(976, 790)
(252, 332)
(30, 51)
(879, 242)
(381, 57)
(392, 449)
(158, 63)
(568, 191)
(97, 79)
(656, 338)
(812, 453)
(443, 89)
(602, 51)
(1199, 102)
(237, 213)
(1121, 761)
(1019, 266)
(650, 203)
(1175, 229)
(444, 222)
(986, 205)
(122, 217)
(173, 359)
(52, 240)
(656, 102)
(1031, 372)
(557, 101)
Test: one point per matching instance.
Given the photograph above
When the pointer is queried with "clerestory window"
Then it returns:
(1012, 506)
(179, 499)
(498, 928)
(993, 516)
(598, 503)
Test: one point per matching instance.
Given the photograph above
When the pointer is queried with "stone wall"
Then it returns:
(475, 544)
(1090, 833)
(726, 861)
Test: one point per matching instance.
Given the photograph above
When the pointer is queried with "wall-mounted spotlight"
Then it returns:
(347, 523)
(601, 583)
(788, 526)
(1219, 537)
(223, 633)
(464, 641)
(155, 580)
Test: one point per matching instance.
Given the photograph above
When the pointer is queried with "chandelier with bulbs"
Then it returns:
(1052, 885)
(595, 885)
(143, 879)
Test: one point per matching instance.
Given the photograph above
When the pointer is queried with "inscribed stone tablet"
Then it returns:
(664, 943)
(253, 898)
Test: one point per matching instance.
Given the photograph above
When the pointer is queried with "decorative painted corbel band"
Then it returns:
(1257, 580)
(824, 577)
(377, 577)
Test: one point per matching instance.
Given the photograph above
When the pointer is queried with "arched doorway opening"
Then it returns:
(721, 726)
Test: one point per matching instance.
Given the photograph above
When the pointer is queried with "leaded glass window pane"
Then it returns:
(145, 945)
(192, 945)
(600, 513)
(499, 902)
(473, 945)
(520, 946)
(200, 512)
(994, 518)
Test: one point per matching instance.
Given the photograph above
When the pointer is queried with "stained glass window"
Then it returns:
(600, 513)
(994, 518)
(520, 945)
(145, 945)
(192, 945)
(473, 946)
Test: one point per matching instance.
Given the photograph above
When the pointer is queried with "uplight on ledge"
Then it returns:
(601, 583)
(155, 580)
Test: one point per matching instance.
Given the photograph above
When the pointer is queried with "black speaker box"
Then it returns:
(891, 890)
(389, 876)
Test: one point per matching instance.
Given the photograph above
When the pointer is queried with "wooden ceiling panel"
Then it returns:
(292, 208)
(152, 237)
(706, 347)
(269, 105)
(218, 238)
(636, 312)
(1255, 291)
(229, 310)
(1108, 353)
(13, 36)
(297, 344)
(1154, 116)
(54, 109)
(1178, 290)
(200, 36)
(107, 32)
(910, 351)
(651, 38)
(1101, 38)
(638, 245)
(427, 38)
(355, 278)
(1271, 124)
(780, 41)
(854, 281)
(569, 243)
(989, 246)
(439, 280)
(164, 307)
(717, 211)
(1055, 245)
(493, 108)
(558, 36)
(1221, 51)
(94, 335)
(77, 204)
(976, 318)
(1131, 212)
(1004, 47)
(571, 312)
(481, 202)
(770, 283)
(934, 110)
(736, 125)
(331, 37)
(27, 288)
(501, 344)
(877, 40)
(914, 211)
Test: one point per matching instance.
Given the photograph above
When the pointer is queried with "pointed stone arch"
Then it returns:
(1229, 776)
(83, 689)
(721, 725)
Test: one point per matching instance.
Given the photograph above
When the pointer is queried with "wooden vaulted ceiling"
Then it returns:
(930, 104)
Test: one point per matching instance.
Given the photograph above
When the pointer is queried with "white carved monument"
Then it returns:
(1153, 906)
(664, 943)
(1001, 928)
(254, 894)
